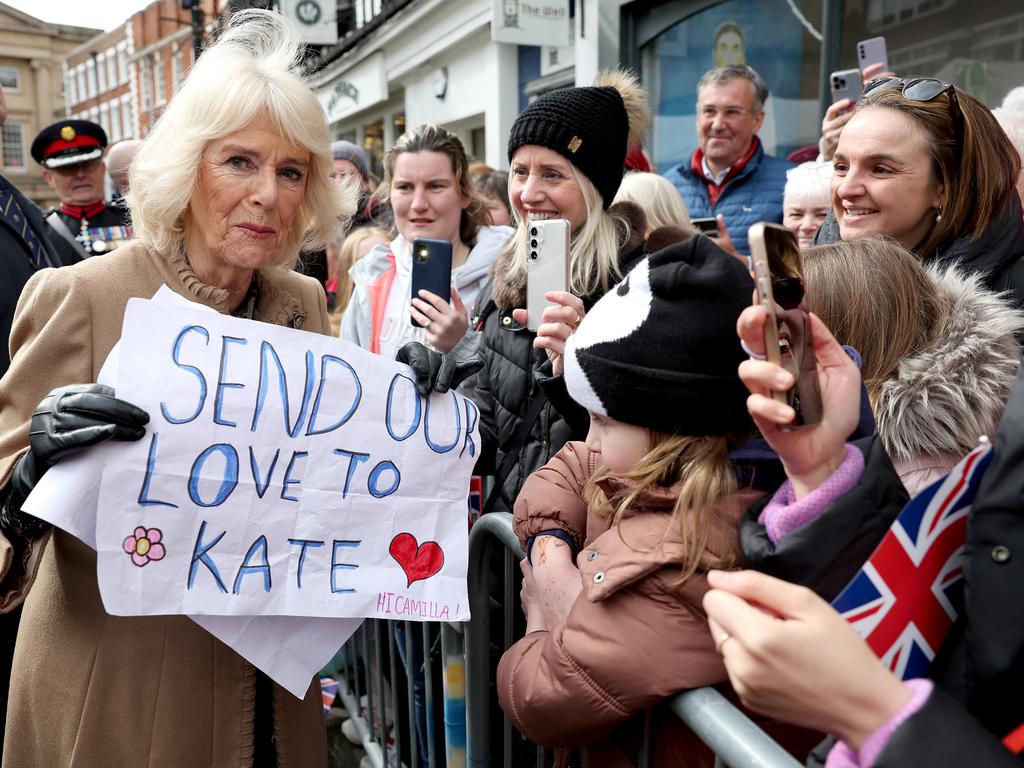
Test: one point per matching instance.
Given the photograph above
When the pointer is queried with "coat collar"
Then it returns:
(645, 541)
(273, 304)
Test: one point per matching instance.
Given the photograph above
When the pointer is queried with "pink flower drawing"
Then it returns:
(144, 545)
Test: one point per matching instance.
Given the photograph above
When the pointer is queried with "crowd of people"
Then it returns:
(680, 530)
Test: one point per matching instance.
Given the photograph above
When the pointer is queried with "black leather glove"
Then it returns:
(66, 421)
(434, 370)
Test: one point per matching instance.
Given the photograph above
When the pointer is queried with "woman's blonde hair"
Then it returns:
(875, 296)
(348, 254)
(705, 476)
(658, 197)
(594, 251)
(253, 69)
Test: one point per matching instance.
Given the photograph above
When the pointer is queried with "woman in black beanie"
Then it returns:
(567, 152)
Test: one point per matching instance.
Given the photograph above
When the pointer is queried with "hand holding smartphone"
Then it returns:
(778, 278)
(846, 84)
(706, 226)
(431, 269)
(548, 265)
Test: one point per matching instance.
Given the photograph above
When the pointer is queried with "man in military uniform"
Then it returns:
(71, 153)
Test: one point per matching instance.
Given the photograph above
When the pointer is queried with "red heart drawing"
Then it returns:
(418, 562)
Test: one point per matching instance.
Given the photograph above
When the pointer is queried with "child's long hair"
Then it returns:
(705, 474)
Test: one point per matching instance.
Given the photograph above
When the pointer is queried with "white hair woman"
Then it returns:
(657, 196)
(226, 188)
(806, 200)
(565, 164)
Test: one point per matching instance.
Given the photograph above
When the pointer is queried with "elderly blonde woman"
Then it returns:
(657, 196)
(805, 201)
(224, 190)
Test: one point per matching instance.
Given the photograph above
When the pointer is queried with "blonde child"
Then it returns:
(646, 506)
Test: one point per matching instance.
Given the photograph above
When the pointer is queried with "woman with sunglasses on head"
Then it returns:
(928, 165)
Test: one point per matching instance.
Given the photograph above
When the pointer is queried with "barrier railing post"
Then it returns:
(730, 734)
(495, 525)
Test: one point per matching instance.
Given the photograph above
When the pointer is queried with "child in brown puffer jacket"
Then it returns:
(646, 506)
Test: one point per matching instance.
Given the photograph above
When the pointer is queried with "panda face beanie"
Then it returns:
(660, 349)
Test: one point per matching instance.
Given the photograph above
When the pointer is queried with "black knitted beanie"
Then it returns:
(660, 349)
(589, 126)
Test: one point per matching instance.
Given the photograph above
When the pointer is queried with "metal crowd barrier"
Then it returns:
(466, 738)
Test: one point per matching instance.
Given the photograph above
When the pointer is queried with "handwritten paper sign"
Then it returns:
(289, 649)
(282, 473)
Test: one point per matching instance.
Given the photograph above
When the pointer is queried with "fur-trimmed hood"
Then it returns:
(948, 395)
(509, 290)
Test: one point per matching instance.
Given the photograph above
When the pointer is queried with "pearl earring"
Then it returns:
(938, 214)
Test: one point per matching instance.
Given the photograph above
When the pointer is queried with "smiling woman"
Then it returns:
(231, 181)
(927, 164)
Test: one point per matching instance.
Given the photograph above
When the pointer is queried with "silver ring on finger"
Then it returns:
(751, 353)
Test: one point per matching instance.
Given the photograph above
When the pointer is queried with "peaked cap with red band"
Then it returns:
(69, 142)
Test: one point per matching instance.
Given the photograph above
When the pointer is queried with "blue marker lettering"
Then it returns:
(336, 566)
(201, 553)
(218, 400)
(191, 369)
(227, 484)
(245, 569)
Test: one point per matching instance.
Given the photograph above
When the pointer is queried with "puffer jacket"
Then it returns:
(944, 397)
(996, 254)
(631, 639)
(752, 195)
(514, 373)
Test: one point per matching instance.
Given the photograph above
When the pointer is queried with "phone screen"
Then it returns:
(779, 278)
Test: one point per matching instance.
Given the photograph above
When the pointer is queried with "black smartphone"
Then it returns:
(431, 269)
(778, 278)
(707, 226)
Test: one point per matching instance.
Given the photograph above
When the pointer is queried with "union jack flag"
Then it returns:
(905, 598)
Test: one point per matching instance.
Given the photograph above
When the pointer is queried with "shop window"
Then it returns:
(771, 36)
(978, 47)
(398, 124)
(373, 143)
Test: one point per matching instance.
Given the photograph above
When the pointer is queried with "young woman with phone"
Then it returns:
(564, 165)
(426, 180)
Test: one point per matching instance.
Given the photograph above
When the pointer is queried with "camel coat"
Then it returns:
(89, 689)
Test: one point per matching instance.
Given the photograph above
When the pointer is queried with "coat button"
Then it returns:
(506, 321)
(599, 577)
(591, 555)
(1000, 553)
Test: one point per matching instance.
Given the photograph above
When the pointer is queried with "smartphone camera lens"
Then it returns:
(533, 231)
(533, 255)
(533, 243)
(421, 255)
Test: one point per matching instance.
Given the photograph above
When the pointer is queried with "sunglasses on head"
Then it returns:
(922, 89)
